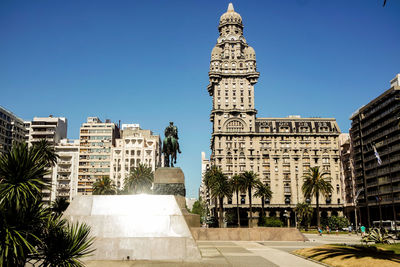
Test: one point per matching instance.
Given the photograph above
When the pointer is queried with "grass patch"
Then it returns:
(354, 256)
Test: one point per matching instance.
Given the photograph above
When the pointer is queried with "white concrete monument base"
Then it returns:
(141, 227)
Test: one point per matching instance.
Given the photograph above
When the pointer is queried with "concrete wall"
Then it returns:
(248, 234)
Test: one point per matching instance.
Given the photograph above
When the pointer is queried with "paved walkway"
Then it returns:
(245, 253)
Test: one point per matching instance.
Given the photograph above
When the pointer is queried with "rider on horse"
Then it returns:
(170, 144)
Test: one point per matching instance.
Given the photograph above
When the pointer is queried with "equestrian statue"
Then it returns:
(170, 145)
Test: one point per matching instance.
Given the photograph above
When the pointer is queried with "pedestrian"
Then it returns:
(319, 231)
(337, 231)
(362, 228)
(328, 231)
(350, 229)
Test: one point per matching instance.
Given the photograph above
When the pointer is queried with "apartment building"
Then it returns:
(52, 129)
(96, 141)
(375, 131)
(205, 165)
(11, 129)
(65, 173)
(135, 146)
(347, 175)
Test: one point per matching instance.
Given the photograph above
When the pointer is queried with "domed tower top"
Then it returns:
(230, 17)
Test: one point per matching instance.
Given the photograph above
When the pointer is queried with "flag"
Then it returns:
(377, 156)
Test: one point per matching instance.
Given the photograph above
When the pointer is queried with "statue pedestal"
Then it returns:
(169, 181)
(138, 227)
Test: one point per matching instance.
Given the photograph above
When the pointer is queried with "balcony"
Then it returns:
(287, 190)
(64, 170)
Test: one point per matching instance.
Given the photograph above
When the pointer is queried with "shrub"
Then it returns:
(335, 222)
(271, 222)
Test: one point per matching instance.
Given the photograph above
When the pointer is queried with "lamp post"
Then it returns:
(286, 215)
(355, 208)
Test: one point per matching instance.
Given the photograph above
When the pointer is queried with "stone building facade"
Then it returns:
(279, 150)
(134, 147)
(375, 126)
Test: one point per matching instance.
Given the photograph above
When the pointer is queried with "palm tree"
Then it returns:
(263, 191)
(220, 188)
(104, 186)
(59, 205)
(209, 178)
(139, 180)
(304, 213)
(250, 180)
(47, 152)
(237, 186)
(21, 176)
(64, 244)
(316, 183)
(23, 217)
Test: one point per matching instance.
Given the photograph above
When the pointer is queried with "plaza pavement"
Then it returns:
(245, 253)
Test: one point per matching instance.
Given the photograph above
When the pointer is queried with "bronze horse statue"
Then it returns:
(170, 145)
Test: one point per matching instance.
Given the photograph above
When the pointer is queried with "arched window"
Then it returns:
(234, 126)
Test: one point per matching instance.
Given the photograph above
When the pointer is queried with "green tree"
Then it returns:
(209, 178)
(237, 186)
(250, 180)
(139, 180)
(304, 213)
(316, 183)
(262, 191)
(104, 186)
(59, 205)
(198, 208)
(220, 188)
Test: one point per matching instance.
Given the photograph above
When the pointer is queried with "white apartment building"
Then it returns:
(134, 147)
(96, 141)
(205, 165)
(53, 129)
(65, 173)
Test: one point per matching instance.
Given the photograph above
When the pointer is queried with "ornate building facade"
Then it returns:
(279, 150)
(136, 146)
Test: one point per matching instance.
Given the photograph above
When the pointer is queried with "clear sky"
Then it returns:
(147, 62)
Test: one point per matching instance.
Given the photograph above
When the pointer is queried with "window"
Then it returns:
(234, 126)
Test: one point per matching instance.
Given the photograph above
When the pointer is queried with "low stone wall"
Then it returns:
(193, 220)
(248, 234)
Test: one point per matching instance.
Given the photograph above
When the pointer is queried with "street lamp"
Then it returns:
(286, 215)
(355, 206)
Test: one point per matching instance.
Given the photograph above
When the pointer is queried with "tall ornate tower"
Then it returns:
(232, 78)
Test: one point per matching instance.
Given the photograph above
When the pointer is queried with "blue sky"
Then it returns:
(147, 62)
